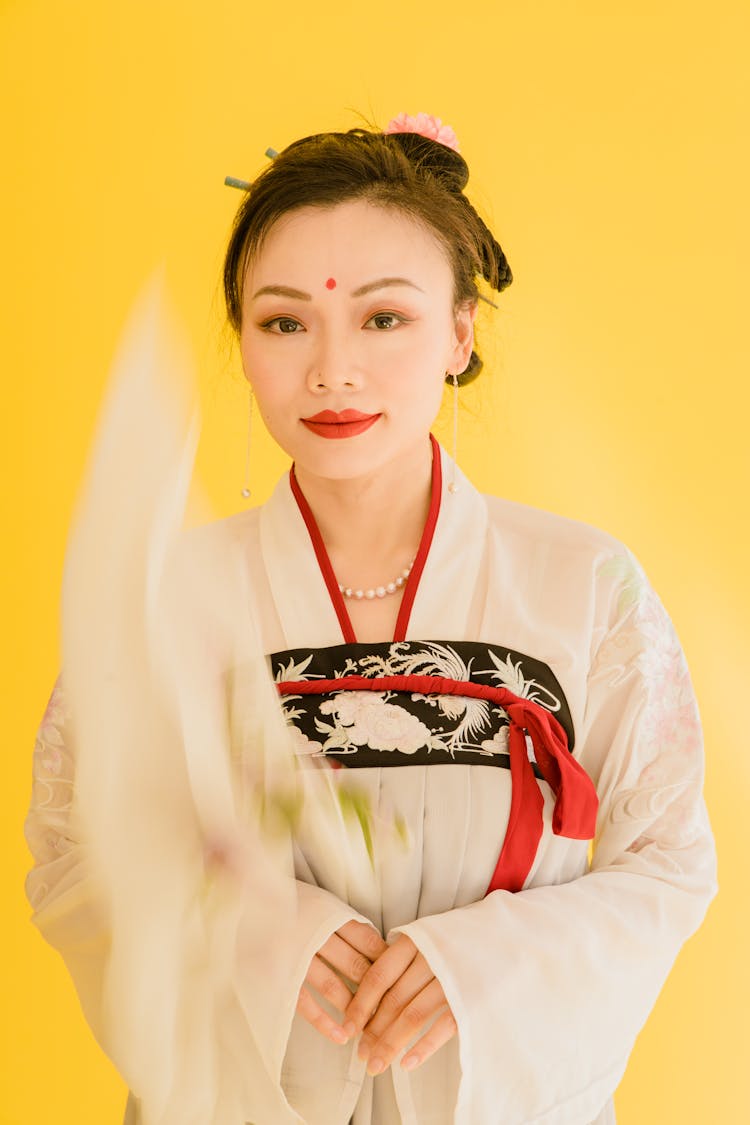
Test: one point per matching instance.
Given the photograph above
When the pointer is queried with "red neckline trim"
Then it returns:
(410, 592)
(412, 584)
(324, 562)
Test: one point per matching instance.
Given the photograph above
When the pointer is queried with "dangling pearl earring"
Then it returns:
(246, 489)
(453, 487)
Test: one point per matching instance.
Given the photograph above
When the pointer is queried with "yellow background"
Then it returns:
(607, 145)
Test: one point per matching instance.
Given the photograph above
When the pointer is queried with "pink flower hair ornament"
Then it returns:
(427, 126)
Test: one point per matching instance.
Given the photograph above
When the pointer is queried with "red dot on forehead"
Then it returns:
(331, 283)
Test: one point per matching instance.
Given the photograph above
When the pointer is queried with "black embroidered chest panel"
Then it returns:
(356, 726)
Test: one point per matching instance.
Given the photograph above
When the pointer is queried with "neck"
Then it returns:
(378, 517)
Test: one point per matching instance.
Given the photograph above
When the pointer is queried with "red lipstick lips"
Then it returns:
(345, 423)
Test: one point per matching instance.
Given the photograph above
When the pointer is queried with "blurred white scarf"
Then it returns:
(185, 774)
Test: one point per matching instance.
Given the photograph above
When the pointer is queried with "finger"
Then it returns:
(310, 1010)
(382, 974)
(413, 1018)
(345, 959)
(366, 1043)
(364, 938)
(330, 986)
(441, 1031)
(410, 984)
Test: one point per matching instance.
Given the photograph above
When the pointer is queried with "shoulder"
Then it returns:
(565, 560)
(547, 530)
(208, 559)
(233, 530)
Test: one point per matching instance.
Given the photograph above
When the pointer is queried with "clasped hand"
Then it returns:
(396, 995)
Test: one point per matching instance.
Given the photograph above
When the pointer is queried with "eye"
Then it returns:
(287, 326)
(386, 320)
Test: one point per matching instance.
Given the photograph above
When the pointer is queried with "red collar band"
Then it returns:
(410, 589)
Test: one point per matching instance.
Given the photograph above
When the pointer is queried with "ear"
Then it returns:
(463, 336)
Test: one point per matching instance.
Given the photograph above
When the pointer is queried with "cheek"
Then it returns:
(263, 378)
(256, 349)
(270, 400)
(421, 386)
(266, 390)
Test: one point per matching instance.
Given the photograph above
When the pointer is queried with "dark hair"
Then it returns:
(405, 171)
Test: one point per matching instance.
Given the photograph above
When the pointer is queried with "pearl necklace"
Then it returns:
(378, 591)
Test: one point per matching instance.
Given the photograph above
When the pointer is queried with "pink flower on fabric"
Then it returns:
(52, 763)
(349, 705)
(426, 125)
(365, 719)
(54, 713)
(385, 726)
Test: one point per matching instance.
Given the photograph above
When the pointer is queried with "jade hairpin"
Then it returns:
(243, 185)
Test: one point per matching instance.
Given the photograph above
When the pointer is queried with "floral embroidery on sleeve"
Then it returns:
(667, 743)
(53, 771)
(645, 639)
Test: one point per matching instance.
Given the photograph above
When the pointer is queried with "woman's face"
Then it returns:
(350, 309)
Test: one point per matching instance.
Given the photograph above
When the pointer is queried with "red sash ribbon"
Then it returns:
(576, 802)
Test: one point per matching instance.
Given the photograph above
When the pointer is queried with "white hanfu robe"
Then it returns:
(549, 984)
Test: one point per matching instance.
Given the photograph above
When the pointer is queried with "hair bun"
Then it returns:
(444, 163)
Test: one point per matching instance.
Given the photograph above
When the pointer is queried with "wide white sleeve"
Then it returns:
(251, 1027)
(67, 908)
(550, 986)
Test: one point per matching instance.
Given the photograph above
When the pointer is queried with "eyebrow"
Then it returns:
(384, 283)
(299, 295)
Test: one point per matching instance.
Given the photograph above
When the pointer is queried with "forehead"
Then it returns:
(354, 236)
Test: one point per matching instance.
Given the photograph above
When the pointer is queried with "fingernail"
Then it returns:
(375, 1066)
(339, 1034)
(410, 1062)
(350, 1028)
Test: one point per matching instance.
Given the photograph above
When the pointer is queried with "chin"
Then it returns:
(345, 466)
(346, 461)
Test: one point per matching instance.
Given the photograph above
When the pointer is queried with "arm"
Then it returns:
(550, 986)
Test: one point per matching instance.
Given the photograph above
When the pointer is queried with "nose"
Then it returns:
(333, 363)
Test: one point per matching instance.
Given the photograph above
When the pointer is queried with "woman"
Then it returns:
(517, 665)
